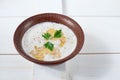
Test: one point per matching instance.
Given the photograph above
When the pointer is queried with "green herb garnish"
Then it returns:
(58, 33)
(49, 45)
(46, 35)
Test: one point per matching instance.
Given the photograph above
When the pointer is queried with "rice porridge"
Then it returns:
(49, 41)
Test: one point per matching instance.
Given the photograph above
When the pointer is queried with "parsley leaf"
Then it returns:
(46, 35)
(58, 33)
(49, 45)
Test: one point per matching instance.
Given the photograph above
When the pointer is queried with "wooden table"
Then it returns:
(99, 58)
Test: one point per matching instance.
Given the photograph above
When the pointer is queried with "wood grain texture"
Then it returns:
(19, 7)
(82, 67)
(102, 34)
(15, 67)
(92, 7)
(53, 6)
(29, 7)
(53, 72)
(94, 67)
(9, 25)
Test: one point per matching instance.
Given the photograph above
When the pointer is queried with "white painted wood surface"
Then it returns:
(102, 35)
(94, 67)
(54, 6)
(9, 25)
(45, 72)
(92, 7)
(85, 67)
(15, 67)
(19, 7)
(28, 7)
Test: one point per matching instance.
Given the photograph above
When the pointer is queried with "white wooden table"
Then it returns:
(99, 58)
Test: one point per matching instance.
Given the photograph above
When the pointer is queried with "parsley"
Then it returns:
(58, 33)
(49, 45)
(46, 35)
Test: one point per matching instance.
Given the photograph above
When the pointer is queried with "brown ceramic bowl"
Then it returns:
(48, 17)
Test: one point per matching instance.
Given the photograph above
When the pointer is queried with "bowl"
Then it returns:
(48, 17)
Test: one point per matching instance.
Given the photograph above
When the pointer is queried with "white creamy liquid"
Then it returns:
(33, 36)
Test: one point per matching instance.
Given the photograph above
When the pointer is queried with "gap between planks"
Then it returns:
(78, 54)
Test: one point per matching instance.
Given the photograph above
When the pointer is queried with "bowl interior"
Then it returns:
(48, 17)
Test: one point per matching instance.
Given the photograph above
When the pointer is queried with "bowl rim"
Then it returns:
(78, 30)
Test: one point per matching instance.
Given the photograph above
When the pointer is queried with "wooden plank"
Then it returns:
(9, 25)
(28, 7)
(53, 6)
(83, 67)
(15, 67)
(102, 34)
(19, 7)
(92, 7)
(53, 72)
(94, 67)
